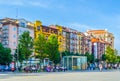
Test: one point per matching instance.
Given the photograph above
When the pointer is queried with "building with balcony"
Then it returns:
(92, 41)
(103, 35)
(11, 29)
(61, 38)
(98, 47)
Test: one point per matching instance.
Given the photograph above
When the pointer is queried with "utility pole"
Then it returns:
(17, 57)
(17, 39)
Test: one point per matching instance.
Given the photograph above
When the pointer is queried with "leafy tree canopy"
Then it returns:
(52, 48)
(26, 43)
(40, 47)
(5, 55)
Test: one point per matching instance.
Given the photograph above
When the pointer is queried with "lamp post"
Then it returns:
(17, 49)
(17, 58)
(61, 57)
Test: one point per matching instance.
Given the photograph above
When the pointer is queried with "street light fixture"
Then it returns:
(17, 58)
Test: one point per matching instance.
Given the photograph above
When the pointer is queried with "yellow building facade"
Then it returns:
(48, 30)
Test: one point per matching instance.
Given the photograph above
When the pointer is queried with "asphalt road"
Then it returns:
(62, 76)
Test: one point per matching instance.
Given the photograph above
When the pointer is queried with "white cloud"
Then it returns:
(25, 3)
(80, 27)
(39, 4)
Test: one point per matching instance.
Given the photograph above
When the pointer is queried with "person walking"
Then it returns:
(100, 67)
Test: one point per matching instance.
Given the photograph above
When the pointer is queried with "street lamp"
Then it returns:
(17, 58)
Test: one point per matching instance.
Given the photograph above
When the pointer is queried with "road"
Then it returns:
(62, 76)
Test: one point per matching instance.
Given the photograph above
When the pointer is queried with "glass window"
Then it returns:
(14, 36)
(60, 40)
(38, 28)
(14, 28)
(22, 24)
(14, 43)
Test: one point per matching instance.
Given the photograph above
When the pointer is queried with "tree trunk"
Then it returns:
(26, 63)
(41, 69)
(20, 66)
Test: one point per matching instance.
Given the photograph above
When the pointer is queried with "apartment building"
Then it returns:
(11, 29)
(103, 35)
(98, 47)
(92, 41)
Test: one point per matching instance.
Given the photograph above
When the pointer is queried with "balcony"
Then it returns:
(4, 28)
(5, 32)
(5, 43)
(5, 36)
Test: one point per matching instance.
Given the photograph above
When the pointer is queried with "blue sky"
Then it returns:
(77, 14)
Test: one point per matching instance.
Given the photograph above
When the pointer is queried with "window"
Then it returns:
(14, 43)
(22, 24)
(14, 28)
(5, 27)
(38, 28)
(14, 36)
(60, 40)
(60, 33)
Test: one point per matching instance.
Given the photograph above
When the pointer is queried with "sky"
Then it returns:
(77, 14)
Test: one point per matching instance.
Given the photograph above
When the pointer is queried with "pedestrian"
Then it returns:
(57, 68)
(90, 66)
(100, 67)
(119, 66)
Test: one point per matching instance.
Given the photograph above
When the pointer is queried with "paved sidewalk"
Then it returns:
(62, 76)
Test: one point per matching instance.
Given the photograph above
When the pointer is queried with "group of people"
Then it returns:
(59, 68)
(46, 68)
(100, 66)
(31, 68)
(55, 68)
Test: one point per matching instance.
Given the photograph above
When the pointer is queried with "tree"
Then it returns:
(52, 49)
(26, 43)
(110, 55)
(68, 53)
(40, 47)
(118, 57)
(5, 55)
(90, 57)
(104, 57)
(19, 56)
(65, 53)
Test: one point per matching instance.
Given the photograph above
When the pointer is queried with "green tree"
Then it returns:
(68, 53)
(104, 57)
(26, 44)
(52, 49)
(118, 57)
(65, 53)
(90, 57)
(110, 55)
(19, 56)
(5, 55)
(40, 48)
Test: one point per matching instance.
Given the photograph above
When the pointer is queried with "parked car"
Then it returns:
(5, 68)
